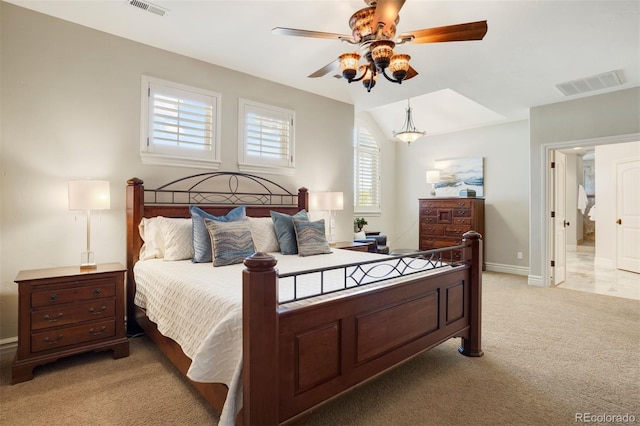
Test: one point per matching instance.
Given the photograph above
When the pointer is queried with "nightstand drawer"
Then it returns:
(70, 336)
(105, 308)
(97, 289)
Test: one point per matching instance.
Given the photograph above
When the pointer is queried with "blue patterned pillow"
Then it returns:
(232, 242)
(201, 238)
(285, 232)
(311, 238)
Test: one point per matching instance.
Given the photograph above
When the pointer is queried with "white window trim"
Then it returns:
(245, 164)
(149, 157)
(370, 211)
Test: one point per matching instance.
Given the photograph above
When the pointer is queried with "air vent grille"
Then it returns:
(589, 84)
(149, 7)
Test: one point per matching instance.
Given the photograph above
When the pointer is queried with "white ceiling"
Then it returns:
(529, 48)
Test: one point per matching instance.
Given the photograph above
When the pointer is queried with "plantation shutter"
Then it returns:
(367, 172)
(266, 137)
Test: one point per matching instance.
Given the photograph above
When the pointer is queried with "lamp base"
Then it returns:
(87, 260)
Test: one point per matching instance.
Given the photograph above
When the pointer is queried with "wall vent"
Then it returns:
(589, 84)
(149, 7)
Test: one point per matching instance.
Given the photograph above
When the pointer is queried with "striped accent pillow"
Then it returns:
(311, 238)
(231, 241)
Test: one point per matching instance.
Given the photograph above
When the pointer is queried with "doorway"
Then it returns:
(572, 238)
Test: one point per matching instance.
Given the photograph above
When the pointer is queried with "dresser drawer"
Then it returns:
(436, 203)
(461, 212)
(456, 230)
(72, 335)
(436, 243)
(69, 314)
(462, 221)
(432, 230)
(88, 290)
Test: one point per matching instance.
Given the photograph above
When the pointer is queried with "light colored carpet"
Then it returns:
(549, 354)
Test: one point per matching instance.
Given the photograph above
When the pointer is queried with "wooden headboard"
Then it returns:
(216, 193)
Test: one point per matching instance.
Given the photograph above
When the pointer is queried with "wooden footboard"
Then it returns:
(326, 348)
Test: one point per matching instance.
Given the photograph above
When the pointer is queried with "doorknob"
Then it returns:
(619, 221)
(565, 223)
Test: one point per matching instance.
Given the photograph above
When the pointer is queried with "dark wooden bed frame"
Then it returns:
(296, 359)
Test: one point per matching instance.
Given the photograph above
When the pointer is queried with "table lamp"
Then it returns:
(327, 201)
(433, 177)
(89, 195)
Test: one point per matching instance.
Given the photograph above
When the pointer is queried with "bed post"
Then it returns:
(303, 198)
(260, 340)
(472, 346)
(135, 213)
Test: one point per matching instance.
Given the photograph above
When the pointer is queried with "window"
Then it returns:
(366, 157)
(179, 125)
(266, 138)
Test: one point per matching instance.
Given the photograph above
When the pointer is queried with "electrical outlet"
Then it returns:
(519, 255)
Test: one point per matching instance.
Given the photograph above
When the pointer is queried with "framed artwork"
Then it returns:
(457, 174)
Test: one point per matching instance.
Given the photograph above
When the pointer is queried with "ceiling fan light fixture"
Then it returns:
(381, 53)
(409, 133)
(369, 78)
(349, 65)
(399, 66)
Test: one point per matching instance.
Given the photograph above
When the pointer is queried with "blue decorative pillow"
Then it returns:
(232, 242)
(201, 237)
(311, 238)
(285, 232)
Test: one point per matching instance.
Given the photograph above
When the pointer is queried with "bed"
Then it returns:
(292, 350)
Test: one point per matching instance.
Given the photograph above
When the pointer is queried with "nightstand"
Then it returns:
(352, 245)
(66, 311)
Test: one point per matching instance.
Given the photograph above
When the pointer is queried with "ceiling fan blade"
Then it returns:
(387, 11)
(459, 32)
(325, 70)
(410, 73)
(307, 33)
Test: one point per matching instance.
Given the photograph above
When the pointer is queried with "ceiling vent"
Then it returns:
(589, 84)
(149, 7)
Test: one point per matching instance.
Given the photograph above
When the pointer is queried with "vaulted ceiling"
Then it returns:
(530, 47)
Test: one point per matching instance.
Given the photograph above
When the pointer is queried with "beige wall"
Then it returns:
(605, 118)
(506, 181)
(71, 108)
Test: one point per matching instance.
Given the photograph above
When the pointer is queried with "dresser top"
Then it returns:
(67, 271)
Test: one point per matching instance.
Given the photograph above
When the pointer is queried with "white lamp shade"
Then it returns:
(326, 201)
(433, 176)
(89, 195)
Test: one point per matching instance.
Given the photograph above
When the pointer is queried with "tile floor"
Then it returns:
(584, 276)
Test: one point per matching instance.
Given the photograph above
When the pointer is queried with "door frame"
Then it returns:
(547, 186)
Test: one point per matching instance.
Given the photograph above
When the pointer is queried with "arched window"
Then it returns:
(366, 157)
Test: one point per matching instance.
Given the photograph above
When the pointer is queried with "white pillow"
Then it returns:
(359, 235)
(153, 244)
(264, 234)
(177, 234)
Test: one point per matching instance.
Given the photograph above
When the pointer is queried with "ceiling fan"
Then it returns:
(373, 31)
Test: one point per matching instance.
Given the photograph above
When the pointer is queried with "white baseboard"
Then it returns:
(536, 281)
(507, 269)
(8, 348)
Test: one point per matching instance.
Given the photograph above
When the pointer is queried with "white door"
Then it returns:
(628, 216)
(559, 258)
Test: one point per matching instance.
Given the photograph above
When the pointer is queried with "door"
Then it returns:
(628, 216)
(559, 257)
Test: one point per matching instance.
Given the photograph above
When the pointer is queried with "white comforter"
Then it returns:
(200, 307)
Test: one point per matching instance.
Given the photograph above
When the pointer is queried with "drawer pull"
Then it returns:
(94, 312)
(53, 298)
(461, 212)
(97, 333)
(96, 292)
(52, 342)
(48, 318)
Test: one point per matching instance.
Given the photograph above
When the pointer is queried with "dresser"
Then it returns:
(66, 311)
(444, 220)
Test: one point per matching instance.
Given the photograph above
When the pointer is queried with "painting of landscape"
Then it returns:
(457, 174)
